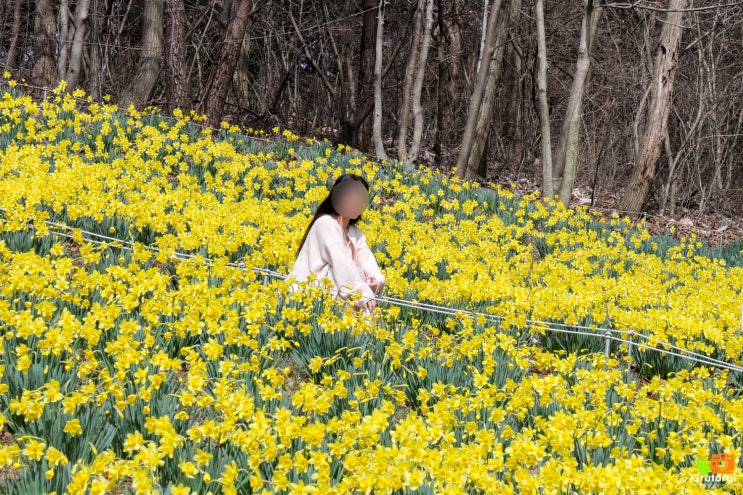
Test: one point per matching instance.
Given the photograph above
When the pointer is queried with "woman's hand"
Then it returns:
(370, 305)
(372, 282)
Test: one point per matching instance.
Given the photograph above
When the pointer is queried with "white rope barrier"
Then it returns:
(594, 332)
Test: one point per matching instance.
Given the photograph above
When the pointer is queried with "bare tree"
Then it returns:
(414, 75)
(566, 160)
(144, 79)
(65, 36)
(378, 49)
(544, 111)
(355, 100)
(11, 56)
(405, 99)
(241, 78)
(178, 91)
(220, 76)
(95, 73)
(480, 111)
(367, 51)
(659, 108)
(71, 41)
(44, 72)
(449, 87)
(487, 50)
(353, 105)
(77, 48)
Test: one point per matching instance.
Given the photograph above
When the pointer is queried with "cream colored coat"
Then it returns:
(326, 254)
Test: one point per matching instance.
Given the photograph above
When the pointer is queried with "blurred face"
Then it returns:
(350, 198)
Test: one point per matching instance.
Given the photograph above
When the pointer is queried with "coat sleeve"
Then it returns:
(368, 262)
(328, 242)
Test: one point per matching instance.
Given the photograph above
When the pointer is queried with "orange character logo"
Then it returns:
(722, 463)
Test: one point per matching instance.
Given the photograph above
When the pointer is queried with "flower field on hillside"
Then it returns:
(128, 367)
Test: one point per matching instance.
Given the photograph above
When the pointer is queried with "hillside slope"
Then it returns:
(131, 363)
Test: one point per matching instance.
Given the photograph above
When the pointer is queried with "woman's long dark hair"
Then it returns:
(326, 207)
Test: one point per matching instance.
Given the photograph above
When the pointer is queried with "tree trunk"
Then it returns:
(544, 112)
(480, 109)
(566, 159)
(352, 109)
(377, 125)
(64, 38)
(477, 163)
(177, 88)
(95, 76)
(44, 71)
(441, 55)
(369, 32)
(415, 144)
(220, 75)
(449, 85)
(10, 60)
(512, 120)
(145, 78)
(658, 109)
(483, 68)
(78, 45)
(483, 33)
(241, 76)
(405, 99)
(482, 167)
(345, 103)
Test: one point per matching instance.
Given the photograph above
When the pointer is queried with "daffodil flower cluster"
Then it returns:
(127, 366)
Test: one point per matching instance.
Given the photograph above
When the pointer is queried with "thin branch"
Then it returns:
(310, 59)
(639, 4)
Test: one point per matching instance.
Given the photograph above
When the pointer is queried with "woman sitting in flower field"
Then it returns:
(334, 247)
